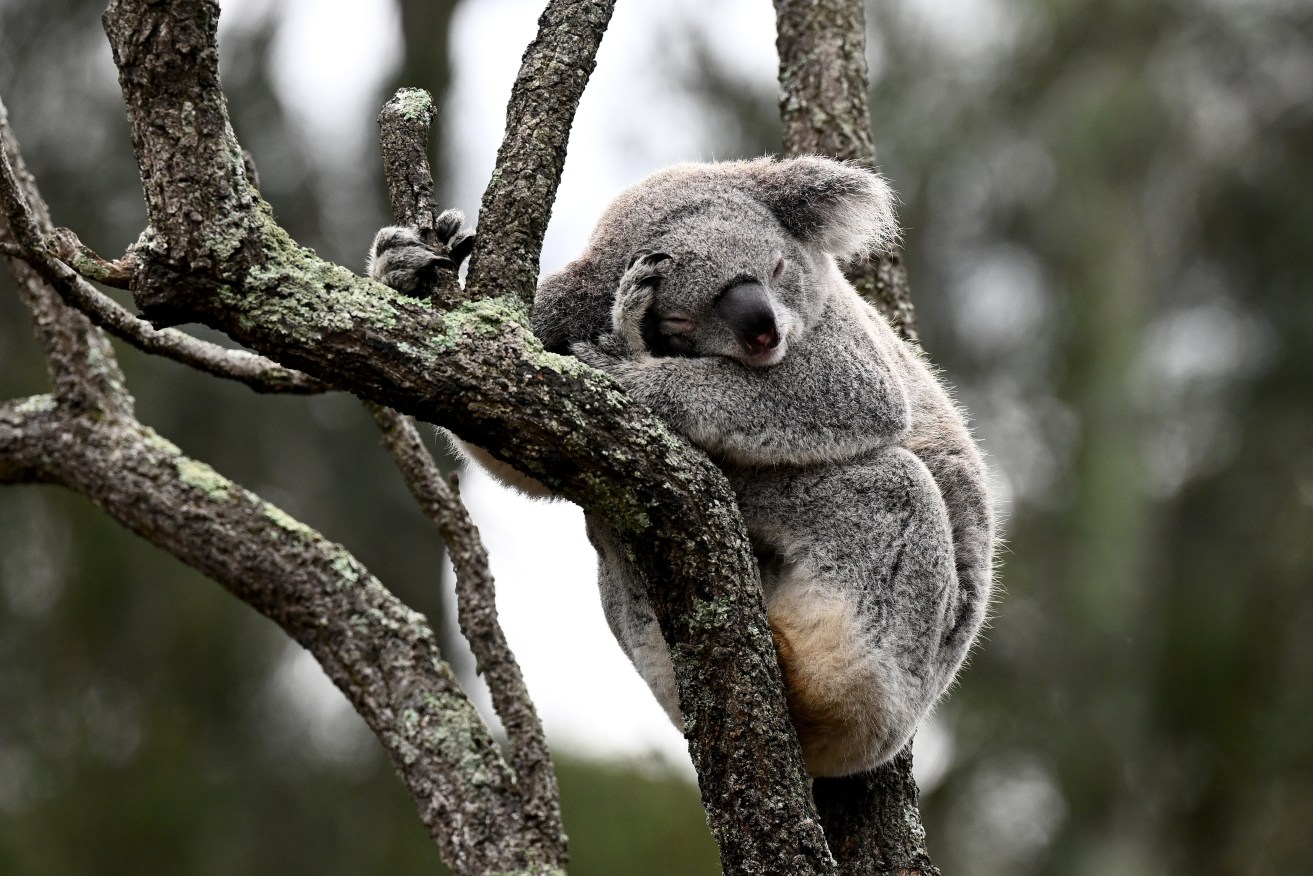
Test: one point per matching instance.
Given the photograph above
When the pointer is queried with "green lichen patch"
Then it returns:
(345, 567)
(286, 521)
(482, 318)
(37, 404)
(415, 103)
(201, 477)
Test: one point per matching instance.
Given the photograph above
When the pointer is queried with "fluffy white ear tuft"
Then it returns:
(842, 208)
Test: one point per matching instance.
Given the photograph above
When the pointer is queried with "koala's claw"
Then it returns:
(461, 245)
(448, 224)
(647, 259)
(633, 299)
(451, 232)
(402, 257)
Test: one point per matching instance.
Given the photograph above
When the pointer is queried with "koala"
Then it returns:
(712, 293)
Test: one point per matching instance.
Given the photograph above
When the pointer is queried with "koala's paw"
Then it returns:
(451, 231)
(605, 353)
(633, 299)
(399, 258)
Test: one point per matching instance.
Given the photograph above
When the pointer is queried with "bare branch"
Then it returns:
(380, 653)
(518, 200)
(403, 132)
(81, 365)
(477, 608)
(257, 372)
(90, 264)
(404, 123)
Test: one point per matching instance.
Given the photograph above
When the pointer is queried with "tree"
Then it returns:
(213, 254)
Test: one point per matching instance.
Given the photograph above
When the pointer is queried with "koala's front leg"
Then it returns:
(833, 395)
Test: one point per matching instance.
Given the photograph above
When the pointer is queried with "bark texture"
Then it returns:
(404, 124)
(383, 655)
(477, 369)
(871, 820)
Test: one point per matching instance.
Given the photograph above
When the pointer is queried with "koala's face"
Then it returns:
(752, 247)
(733, 285)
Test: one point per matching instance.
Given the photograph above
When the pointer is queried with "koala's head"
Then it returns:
(752, 247)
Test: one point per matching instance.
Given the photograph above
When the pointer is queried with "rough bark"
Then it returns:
(871, 820)
(214, 254)
(380, 653)
(404, 124)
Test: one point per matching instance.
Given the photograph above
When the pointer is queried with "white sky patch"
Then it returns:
(330, 57)
(588, 695)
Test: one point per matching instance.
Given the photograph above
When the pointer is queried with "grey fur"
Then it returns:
(863, 492)
(400, 258)
(712, 293)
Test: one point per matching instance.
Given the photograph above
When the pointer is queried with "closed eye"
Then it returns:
(676, 325)
(778, 269)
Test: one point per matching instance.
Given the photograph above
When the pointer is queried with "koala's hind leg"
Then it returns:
(861, 607)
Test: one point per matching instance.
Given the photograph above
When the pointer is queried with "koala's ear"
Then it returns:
(570, 305)
(844, 209)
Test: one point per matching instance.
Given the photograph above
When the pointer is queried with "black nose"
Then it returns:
(746, 309)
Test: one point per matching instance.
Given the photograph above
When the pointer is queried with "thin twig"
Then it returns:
(404, 123)
(79, 360)
(260, 374)
(86, 261)
(257, 372)
(477, 609)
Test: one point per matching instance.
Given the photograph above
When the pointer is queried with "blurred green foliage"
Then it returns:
(1111, 245)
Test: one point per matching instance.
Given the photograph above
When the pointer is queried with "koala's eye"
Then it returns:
(778, 269)
(678, 345)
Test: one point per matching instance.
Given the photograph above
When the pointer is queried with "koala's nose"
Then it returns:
(747, 310)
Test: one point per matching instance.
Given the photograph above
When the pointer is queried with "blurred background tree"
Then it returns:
(1110, 249)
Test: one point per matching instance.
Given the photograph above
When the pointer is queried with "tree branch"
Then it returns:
(380, 653)
(518, 200)
(871, 820)
(257, 372)
(477, 609)
(404, 123)
(79, 359)
(479, 370)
